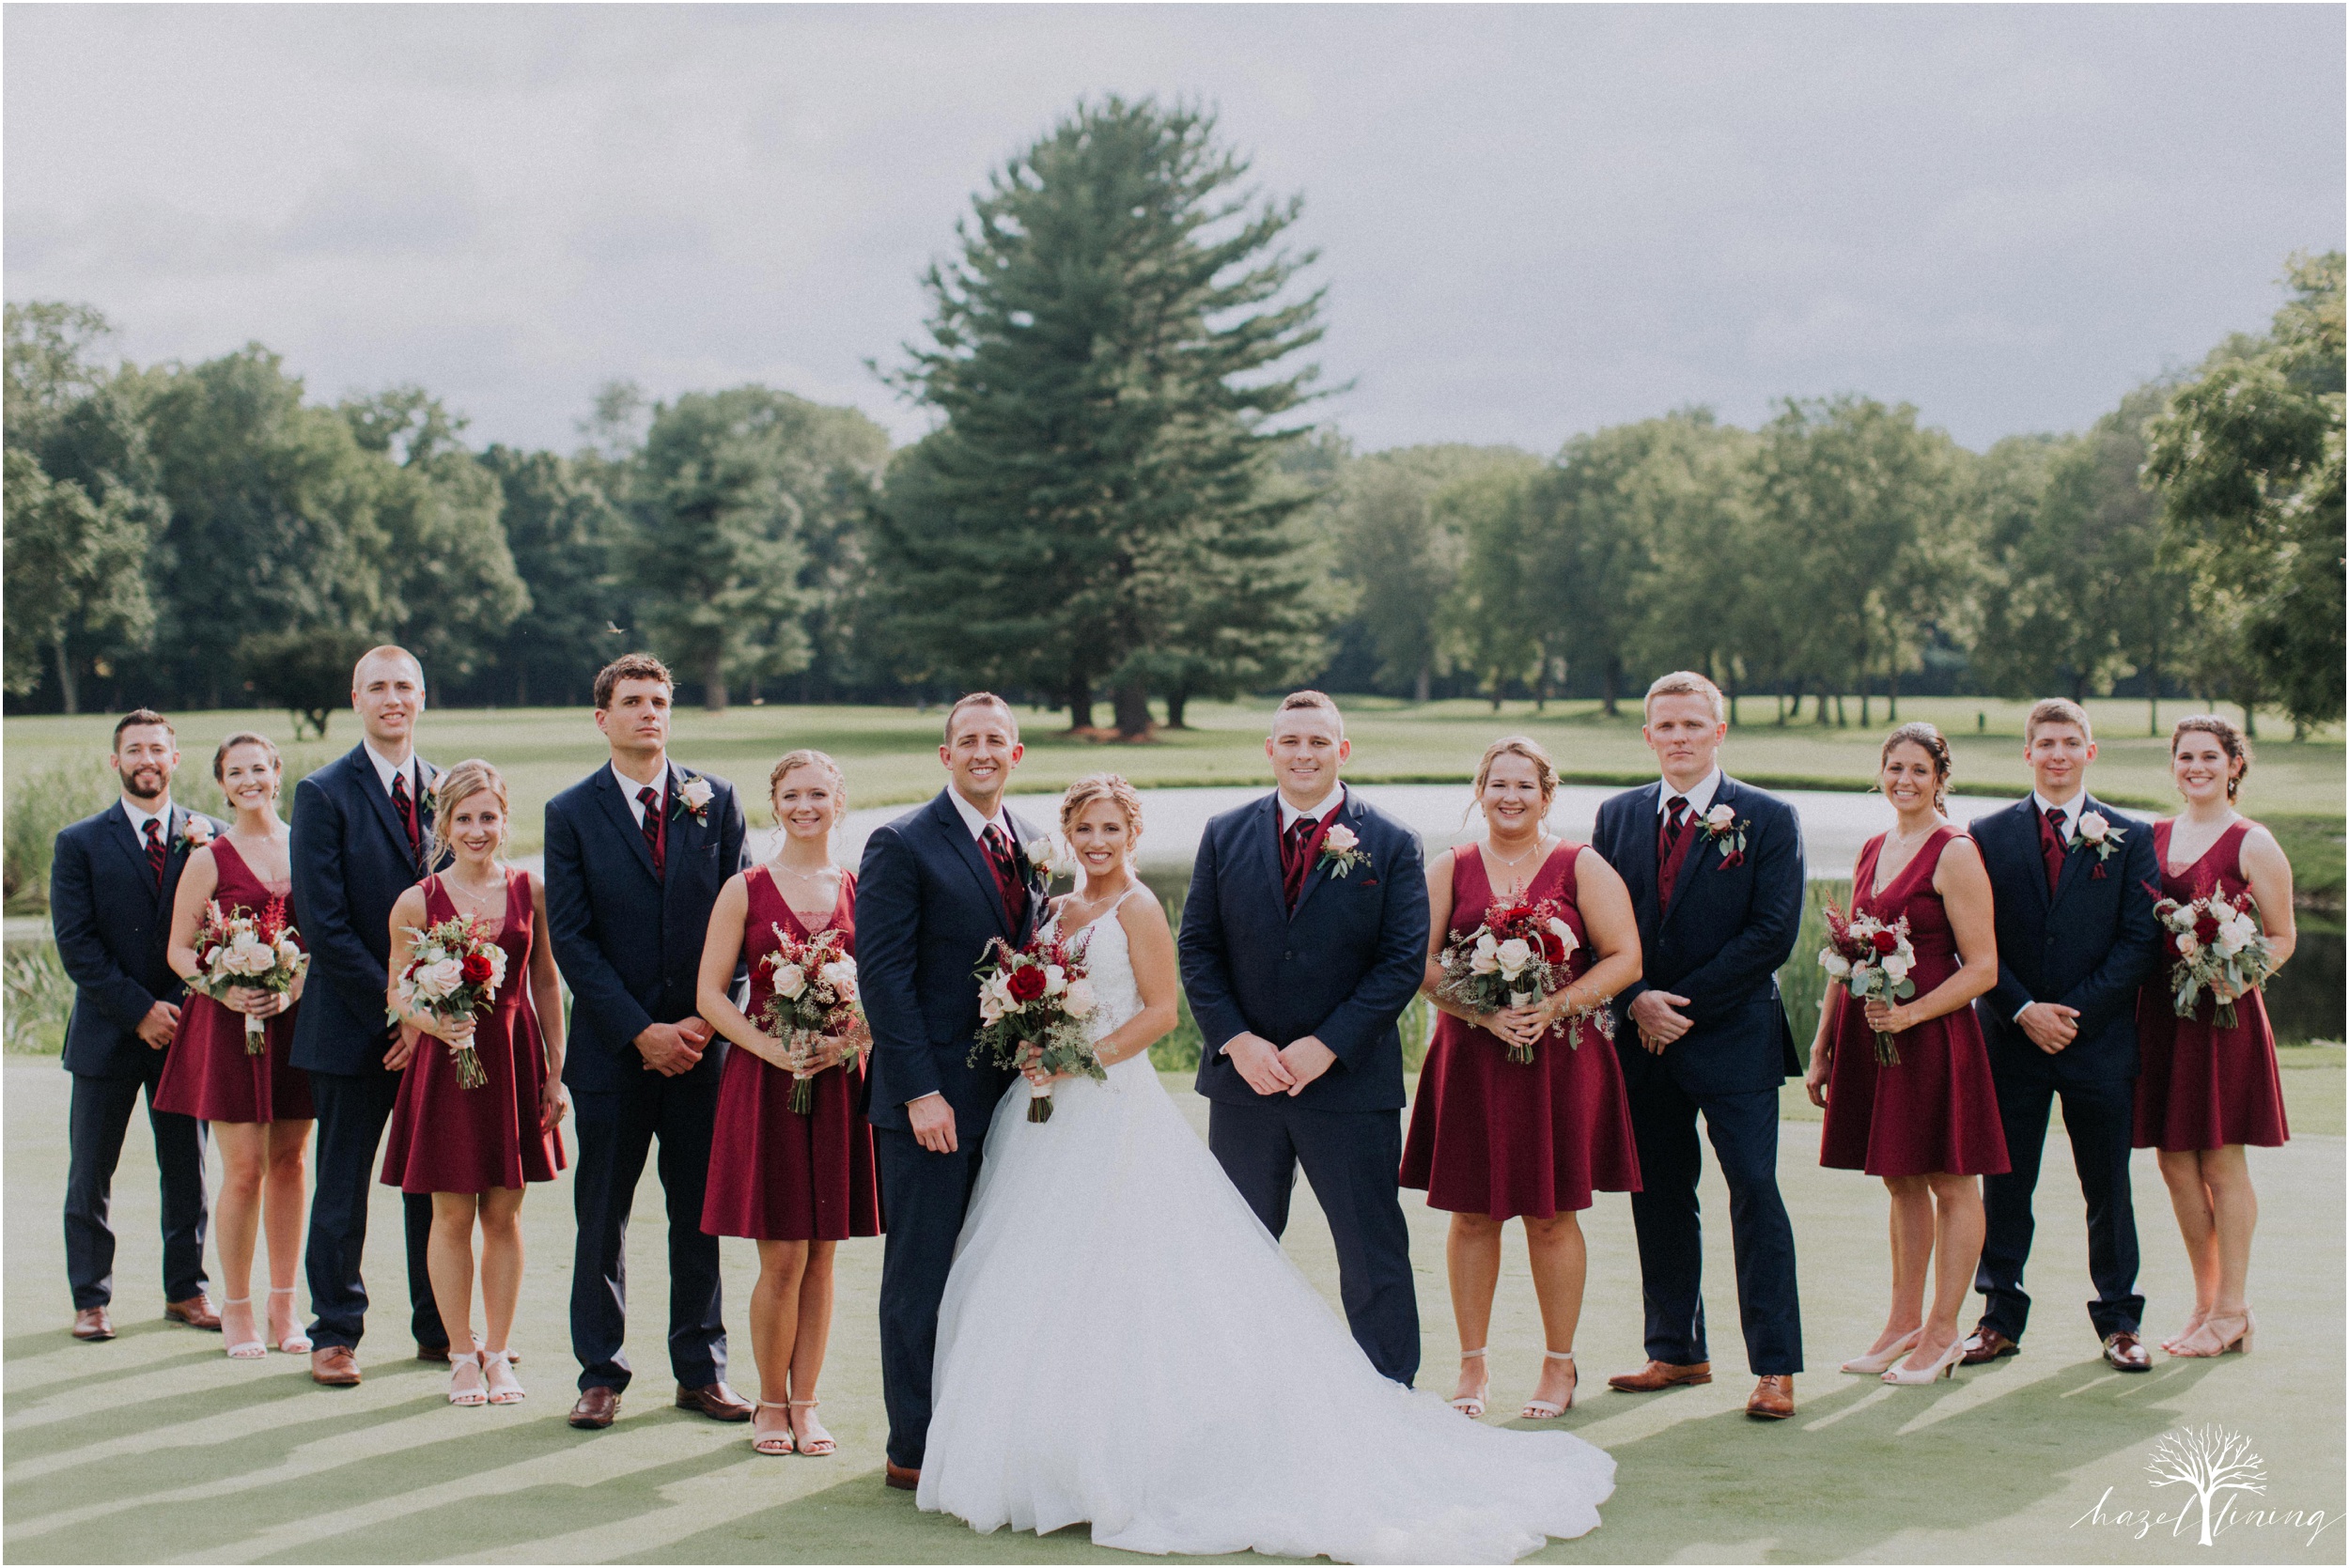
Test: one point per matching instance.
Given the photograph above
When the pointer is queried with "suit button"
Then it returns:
(1288, 956)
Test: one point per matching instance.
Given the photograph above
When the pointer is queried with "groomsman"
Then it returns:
(636, 852)
(936, 887)
(1304, 937)
(1715, 870)
(362, 836)
(2072, 881)
(111, 884)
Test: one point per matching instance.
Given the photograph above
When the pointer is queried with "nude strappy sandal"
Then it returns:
(462, 1393)
(497, 1366)
(1542, 1410)
(295, 1341)
(1472, 1405)
(246, 1350)
(818, 1442)
(776, 1443)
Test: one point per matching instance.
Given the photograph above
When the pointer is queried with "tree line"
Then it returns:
(1125, 498)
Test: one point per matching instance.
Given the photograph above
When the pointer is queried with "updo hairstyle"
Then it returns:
(2238, 750)
(245, 737)
(455, 786)
(1525, 746)
(1099, 787)
(1930, 742)
(807, 756)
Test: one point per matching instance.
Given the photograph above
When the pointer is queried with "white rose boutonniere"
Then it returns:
(2096, 832)
(1723, 826)
(694, 797)
(196, 832)
(1340, 850)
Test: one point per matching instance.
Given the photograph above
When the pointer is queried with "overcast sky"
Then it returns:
(1533, 220)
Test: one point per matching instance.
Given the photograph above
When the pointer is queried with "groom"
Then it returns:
(936, 887)
(1304, 938)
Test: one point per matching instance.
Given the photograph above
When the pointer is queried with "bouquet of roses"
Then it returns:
(236, 947)
(814, 994)
(1870, 960)
(2216, 942)
(1033, 1005)
(1520, 954)
(454, 973)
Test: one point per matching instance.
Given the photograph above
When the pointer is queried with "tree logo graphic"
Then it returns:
(2212, 1461)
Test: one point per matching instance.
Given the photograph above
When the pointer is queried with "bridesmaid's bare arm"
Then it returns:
(2269, 873)
(1613, 929)
(722, 949)
(1439, 933)
(198, 880)
(546, 981)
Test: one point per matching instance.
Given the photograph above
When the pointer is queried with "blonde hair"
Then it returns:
(1686, 683)
(807, 756)
(1101, 786)
(2056, 711)
(2230, 740)
(1545, 772)
(981, 699)
(459, 785)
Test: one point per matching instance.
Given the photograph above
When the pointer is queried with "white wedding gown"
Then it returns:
(1123, 1342)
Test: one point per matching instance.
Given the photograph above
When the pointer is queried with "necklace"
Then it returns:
(1514, 880)
(476, 898)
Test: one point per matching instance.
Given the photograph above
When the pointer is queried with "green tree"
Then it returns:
(1102, 350)
(2248, 460)
(566, 536)
(1492, 623)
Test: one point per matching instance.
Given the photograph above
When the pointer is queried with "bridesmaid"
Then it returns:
(1492, 1140)
(474, 1149)
(259, 1106)
(1928, 1124)
(797, 1185)
(2205, 1092)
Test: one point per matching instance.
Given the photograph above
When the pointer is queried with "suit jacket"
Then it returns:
(351, 864)
(927, 907)
(2089, 945)
(1340, 968)
(1720, 940)
(629, 943)
(112, 927)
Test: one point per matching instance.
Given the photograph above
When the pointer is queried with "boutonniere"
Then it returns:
(196, 832)
(694, 797)
(2097, 830)
(1048, 858)
(1724, 827)
(1340, 850)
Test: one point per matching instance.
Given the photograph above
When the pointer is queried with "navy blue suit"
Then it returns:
(113, 924)
(1718, 942)
(1340, 968)
(2089, 945)
(629, 941)
(927, 905)
(352, 861)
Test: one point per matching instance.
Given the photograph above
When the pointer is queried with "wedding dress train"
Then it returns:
(1122, 1341)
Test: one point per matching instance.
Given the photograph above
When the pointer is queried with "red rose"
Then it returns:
(1554, 949)
(476, 967)
(2206, 929)
(1026, 984)
(1885, 942)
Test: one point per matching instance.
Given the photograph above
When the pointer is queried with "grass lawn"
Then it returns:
(156, 1447)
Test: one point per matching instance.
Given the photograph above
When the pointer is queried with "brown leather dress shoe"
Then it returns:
(1987, 1343)
(2126, 1352)
(595, 1408)
(91, 1322)
(900, 1478)
(335, 1365)
(1773, 1398)
(195, 1311)
(1662, 1374)
(714, 1400)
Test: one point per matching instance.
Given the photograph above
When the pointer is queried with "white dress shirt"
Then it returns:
(386, 770)
(139, 819)
(2069, 809)
(660, 786)
(979, 825)
(1700, 799)
(1319, 809)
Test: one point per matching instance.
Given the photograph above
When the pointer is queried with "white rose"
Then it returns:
(1482, 960)
(288, 951)
(2187, 946)
(696, 794)
(436, 981)
(249, 955)
(1896, 967)
(841, 976)
(1340, 837)
(1721, 818)
(2232, 939)
(791, 980)
(1514, 956)
(990, 1005)
(212, 957)
(1079, 1001)
(2093, 827)
(497, 969)
(1055, 980)
(1564, 933)
(1837, 966)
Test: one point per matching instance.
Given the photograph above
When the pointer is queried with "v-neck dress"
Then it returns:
(2200, 1086)
(774, 1174)
(1935, 1109)
(207, 1072)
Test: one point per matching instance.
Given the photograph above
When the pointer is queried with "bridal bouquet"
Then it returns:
(236, 947)
(2216, 942)
(813, 994)
(1033, 1005)
(1870, 958)
(1520, 954)
(455, 971)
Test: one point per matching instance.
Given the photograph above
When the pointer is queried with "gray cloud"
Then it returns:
(1533, 220)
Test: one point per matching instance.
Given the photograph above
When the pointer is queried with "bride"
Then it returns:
(1122, 1341)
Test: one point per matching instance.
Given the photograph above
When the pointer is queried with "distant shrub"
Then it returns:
(1802, 982)
(38, 999)
(38, 804)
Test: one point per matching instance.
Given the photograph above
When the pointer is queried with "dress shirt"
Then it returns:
(1700, 799)
(979, 825)
(1319, 809)
(386, 770)
(140, 817)
(2071, 810)
(628, 787)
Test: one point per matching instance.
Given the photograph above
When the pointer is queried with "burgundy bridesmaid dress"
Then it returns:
(207, 1072)
(1935, 1109)
(776, 1175)
(1500, 1138)
(2200, 1086)
(446, 1138)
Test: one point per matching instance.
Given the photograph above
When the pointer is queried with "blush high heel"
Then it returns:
(505, 1388)
(1472, 1405)
(1542, 1410)
(818, 1442)
(464, 1379)
(2219, 1333)
(776, 1442)
(1874, 1361)
(1945, 1367)
(293, 1342)
(250, 1349)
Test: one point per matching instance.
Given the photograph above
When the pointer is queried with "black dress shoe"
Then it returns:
(594, 1409)
(714, 1400)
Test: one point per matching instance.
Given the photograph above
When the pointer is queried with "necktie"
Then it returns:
(155, 849)
(1295, 858)
(1675, 822)
(654, 822)
(2053, 846)
(1009, 881)
(405, 803)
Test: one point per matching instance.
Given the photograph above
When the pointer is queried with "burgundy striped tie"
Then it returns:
(650, 799)
(155, 849)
